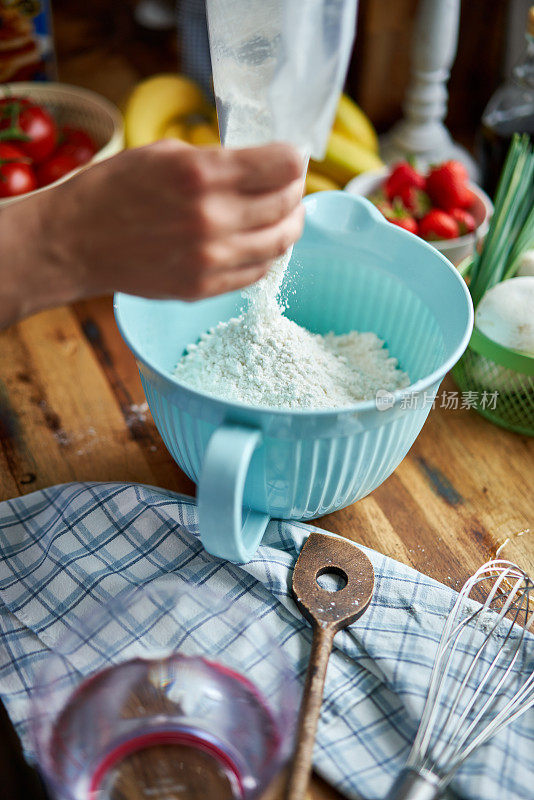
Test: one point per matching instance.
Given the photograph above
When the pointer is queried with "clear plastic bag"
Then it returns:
(278, 68)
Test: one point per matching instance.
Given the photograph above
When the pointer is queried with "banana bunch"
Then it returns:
(352, 148)
(169, 106)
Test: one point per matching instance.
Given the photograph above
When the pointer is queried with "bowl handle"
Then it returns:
(226, 529)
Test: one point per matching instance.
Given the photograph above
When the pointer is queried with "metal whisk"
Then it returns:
(481, 680)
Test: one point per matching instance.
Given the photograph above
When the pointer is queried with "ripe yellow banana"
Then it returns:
(176, 130)
(155, 102)
(346, 158)
(352, 122)
(203, 134)
(316, 182)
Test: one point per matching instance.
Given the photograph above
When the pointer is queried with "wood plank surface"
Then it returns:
(72, 408)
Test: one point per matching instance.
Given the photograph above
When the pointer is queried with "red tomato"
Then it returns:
(55, 168)
(16, 175)
(10, 108)
(12, 152)
(7, 101)
(29, 126)
(76, 143)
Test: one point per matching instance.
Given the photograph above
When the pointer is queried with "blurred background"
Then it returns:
(110, 46)
(103, 45)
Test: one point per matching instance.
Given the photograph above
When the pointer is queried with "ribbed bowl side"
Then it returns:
(296, 478)
(176, 430)
(367, 277)
(323, 475)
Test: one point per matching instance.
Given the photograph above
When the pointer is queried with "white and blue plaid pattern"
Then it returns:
(70, 548)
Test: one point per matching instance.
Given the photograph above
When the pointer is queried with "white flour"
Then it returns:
(264, 359)
(261, 357)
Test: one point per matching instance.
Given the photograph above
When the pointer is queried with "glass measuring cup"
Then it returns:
(182, 694)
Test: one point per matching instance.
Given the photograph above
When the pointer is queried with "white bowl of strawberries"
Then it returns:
(441, 206)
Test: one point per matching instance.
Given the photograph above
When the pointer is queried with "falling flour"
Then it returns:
(262, 358)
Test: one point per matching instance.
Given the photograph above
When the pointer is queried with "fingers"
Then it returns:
(233, 280)
(226, 190)
(251, 246)
(199, 284)
(222, 214)
(269, 242)
(251, 170)
(217, 218)
(264, 169)
(261, 210)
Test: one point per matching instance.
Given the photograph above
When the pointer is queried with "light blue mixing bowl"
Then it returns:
(351, 270)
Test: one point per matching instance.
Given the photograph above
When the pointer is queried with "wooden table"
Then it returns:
(72, 408)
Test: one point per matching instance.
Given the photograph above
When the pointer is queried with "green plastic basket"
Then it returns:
(494, 380)
(500, 382)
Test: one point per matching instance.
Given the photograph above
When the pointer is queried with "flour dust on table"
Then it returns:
(262, 358)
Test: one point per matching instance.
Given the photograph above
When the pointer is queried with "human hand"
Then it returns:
(170, 220)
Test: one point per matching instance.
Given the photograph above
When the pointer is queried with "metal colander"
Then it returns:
(74, 106)
(499, 382)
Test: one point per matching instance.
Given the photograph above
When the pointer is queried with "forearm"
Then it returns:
(34, 262)
(166, 220)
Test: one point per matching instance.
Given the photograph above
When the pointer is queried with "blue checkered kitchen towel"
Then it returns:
(68, 549)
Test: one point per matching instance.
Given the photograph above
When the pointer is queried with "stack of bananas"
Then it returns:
(352, 148)
(174, 106)
(166, 106)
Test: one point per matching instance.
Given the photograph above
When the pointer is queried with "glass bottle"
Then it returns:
(510, 110)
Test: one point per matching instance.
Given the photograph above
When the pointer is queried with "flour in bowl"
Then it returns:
(262, 358)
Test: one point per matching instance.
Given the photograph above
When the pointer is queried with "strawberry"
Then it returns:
(415, 200)
(437, 224)
(472, 199)
(407, 223)
(398, 215)
(447, 186)
(466, 221)
(402, 174)
(394, 212)
(380, 200)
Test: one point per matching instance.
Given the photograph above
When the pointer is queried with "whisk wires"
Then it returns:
(479, 662)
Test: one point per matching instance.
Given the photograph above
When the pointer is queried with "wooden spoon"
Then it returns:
(328, 612)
